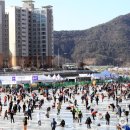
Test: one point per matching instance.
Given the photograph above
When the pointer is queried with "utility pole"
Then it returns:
(65, 58)
(58, 58)
(37, 59)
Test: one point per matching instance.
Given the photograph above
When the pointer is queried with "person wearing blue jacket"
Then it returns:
(53, 124)
(126, 127)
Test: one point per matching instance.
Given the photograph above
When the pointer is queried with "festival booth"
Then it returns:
(59, 78)
(54, 77)
(50, 78)
(41, 81)
(95, 76)
(71, 79)
(57, 81)
(30, 80)
(84, 77)
(104, 75)
(23, 79)
(44, 79)
(8, 80)
(108, 75)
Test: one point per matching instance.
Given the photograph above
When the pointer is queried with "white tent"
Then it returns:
(42, 78)
(54, 77)
(84, 75)
(23, 79)
(59, 78)
(104, 75)
(108, 75)
(96, 76)
(49, 78)
(5, 80)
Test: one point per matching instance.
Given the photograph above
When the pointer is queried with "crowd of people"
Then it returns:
(26, 101)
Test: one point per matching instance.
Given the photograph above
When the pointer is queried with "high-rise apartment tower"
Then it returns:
(30, 35)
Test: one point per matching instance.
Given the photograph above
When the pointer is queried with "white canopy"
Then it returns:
(7, 80)
(44, 78)
(54, 77)
(104, 75)
(84, 75)
(96, 76)
(49, 78)
(59, 78)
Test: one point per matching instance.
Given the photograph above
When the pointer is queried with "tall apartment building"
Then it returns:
(6, 41)
(2, 32)
(30, 35)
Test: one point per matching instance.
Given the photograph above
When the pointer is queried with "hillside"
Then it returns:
(106, 44)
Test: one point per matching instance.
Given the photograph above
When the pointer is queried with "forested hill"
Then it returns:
(105, 44)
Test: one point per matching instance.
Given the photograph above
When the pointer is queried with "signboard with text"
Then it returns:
(13, 78)
(35, 78)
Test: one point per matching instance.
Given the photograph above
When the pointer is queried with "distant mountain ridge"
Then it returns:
(105, 44)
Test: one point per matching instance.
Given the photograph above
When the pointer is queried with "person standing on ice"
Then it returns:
(25, 123)
(53, 124)
(107, 117)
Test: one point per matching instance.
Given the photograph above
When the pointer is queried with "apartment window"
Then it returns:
(34, 33)
(23, 14)
(38, 29)
(34, 29)
(43, 33)
(23, 10)
(23, 54)
(43, 29)
(43, 41)
(43, 37)
(43, 49)
(18, 46)
(23, 45)
(34, 21)
(43, 24)
(34, 38)
(23, 28)
(44, 54)
(18, 28)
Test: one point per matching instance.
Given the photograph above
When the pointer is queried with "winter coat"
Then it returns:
(107, 116)
(88, 121)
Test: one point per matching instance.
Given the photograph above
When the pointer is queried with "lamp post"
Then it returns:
(58, 58)
(65, 58)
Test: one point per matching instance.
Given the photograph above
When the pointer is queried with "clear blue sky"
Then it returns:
(81, 14)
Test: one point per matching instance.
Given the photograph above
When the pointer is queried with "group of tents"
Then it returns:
(16, 79)
(104, 75)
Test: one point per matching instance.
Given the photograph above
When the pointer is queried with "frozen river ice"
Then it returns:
(64, 114)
